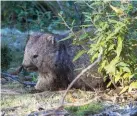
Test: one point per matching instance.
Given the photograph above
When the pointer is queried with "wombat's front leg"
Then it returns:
(45, 82)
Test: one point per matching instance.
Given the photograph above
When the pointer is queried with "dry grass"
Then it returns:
(27, 103)
(15, 100)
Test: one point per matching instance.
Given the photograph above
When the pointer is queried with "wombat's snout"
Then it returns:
(30, 67)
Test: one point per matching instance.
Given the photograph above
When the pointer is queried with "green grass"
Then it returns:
(92, 108)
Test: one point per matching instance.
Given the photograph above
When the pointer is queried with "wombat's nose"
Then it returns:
(29, 67)
(24, 66)
(26, 63)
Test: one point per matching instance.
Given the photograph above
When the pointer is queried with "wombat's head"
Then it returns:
(40, 52)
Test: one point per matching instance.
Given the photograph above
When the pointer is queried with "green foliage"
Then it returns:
(28, 15)
(6, 57)
(92, 108)
(40, 15)
(80, 53)
(34, 77)
(113, 25)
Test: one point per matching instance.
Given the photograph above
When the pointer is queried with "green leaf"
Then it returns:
(124, 89)
(116, 22)
(133, 85)
(127, 75)
(94, 57)
(66, 38)
(122, 64)
(83, 36)
(103, 63)
(117, 78)
(93, 49)
(108, 85)
(111, 47)
(119, 47)
(131, 76)
(99, 39)
(126, 69)
(79, 54)
(110, 68)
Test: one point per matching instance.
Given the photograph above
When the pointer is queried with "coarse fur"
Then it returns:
(53, 61)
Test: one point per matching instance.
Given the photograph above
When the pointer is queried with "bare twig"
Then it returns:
(78, 76)
(70, 28)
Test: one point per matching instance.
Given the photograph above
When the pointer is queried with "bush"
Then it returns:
(6, 57)
(26, 15)
(112, 34)
(38, 15)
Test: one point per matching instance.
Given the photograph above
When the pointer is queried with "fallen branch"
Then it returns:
(11, 108)
(50, 113)
(16, 78)
(78, 76)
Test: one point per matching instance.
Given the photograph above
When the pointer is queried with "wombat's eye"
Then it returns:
(35, 56)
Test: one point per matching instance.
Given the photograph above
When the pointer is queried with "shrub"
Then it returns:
(113, 33)
(6, 57)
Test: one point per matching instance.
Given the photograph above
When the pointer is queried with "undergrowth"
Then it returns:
(85, 110)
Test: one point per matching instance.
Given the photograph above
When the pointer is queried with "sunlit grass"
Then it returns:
(27, 103)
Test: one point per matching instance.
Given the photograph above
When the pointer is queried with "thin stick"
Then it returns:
(78, 76)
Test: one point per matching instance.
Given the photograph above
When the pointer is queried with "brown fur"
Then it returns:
(47, 56)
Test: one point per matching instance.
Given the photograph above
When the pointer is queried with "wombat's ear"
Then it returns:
(51, 39)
